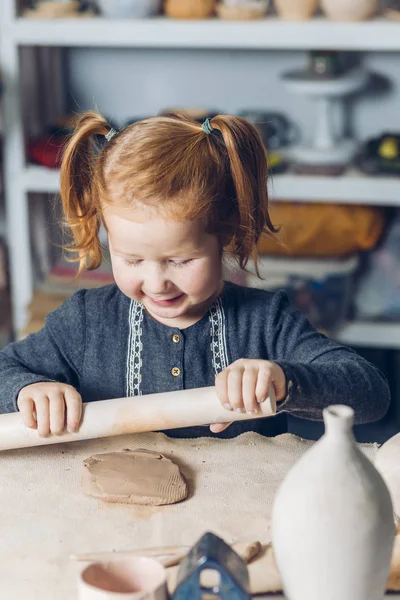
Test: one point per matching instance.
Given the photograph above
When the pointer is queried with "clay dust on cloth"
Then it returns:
(45, 517)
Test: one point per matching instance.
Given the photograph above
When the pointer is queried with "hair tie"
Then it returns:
(207, 127)
(109, 136)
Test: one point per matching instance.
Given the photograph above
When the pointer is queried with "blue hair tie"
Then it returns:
(109, 136)
(207, 127)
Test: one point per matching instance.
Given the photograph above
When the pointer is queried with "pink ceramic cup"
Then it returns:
(135, 578)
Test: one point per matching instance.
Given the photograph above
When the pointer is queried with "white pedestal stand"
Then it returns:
(328, 147)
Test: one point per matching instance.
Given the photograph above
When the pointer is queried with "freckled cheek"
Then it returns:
(126, 278)
(199, 281)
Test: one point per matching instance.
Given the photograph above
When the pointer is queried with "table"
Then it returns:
(44, 516)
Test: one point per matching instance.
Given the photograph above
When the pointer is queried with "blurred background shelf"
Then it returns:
(69, 65)
(372, 335)
(271, 33)
(40, 179)
(354, 187)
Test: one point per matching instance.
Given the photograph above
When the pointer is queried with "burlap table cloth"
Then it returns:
(44, 516)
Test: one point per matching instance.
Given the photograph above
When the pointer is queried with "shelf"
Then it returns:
(160, 32)
(375, 190)
(374, 335)
(41, 179)
(351, 188)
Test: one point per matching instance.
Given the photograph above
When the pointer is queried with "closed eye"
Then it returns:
(175, 263)
(181, 263)
(132, 262)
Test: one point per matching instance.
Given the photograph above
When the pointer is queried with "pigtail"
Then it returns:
(79, 192)
(249, 170)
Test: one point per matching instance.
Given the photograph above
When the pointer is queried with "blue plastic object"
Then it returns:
(211, 552)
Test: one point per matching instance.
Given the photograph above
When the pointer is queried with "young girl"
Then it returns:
(174, 196)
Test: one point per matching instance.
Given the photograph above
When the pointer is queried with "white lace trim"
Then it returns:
(218, 337)
(135, 346)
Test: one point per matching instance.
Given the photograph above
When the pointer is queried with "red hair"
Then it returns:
(169, 163)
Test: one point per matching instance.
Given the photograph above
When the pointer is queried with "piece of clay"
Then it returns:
(249, 552)
(133, 477)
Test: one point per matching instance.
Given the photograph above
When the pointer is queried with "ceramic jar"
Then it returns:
(349, 10)
(387, 461)
(128, 9)
(332, 520)
(296, 10)
(243, 10)
(189, 9)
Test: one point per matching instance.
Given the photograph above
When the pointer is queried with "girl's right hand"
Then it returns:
(49, 407)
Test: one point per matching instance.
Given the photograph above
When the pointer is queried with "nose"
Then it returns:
(155, 280)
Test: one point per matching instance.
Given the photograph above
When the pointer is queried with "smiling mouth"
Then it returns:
(166, 301)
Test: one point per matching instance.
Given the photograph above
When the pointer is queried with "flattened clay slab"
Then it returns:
(133, 477)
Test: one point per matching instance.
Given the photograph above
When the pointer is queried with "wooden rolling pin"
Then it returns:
(152, 412)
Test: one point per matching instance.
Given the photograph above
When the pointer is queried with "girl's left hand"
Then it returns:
(245, 384)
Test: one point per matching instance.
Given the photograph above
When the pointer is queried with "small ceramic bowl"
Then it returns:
(136, 578)
(242, 10)
(129, 9)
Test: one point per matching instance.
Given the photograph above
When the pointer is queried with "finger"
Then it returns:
(221, 388)
(249, 383)
(218, 427)
(263, 385)
(42, 416)
(235, 389)
(27, 410)
(279, 383)
(73, 401)
(57, 412)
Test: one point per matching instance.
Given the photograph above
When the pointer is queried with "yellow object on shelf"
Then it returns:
(389, 148)
(189, 9)
(322, 230)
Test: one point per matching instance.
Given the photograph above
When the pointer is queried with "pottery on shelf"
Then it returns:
(129, 9)
(387, 461)
(242, 10)
(350, 10)
(53, 10)
(329, 147)
(296, 10)
(392, 13)
(332, 520)
(189, 9)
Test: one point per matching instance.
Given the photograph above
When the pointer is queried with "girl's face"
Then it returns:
(174, 268)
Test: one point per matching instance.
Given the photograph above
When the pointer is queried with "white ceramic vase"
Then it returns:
(349, 10)
(387, 461)
(332, 520)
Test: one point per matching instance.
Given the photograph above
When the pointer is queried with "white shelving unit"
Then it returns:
(379, 35)
(378, 335)
(353, 187)
(160, 32)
